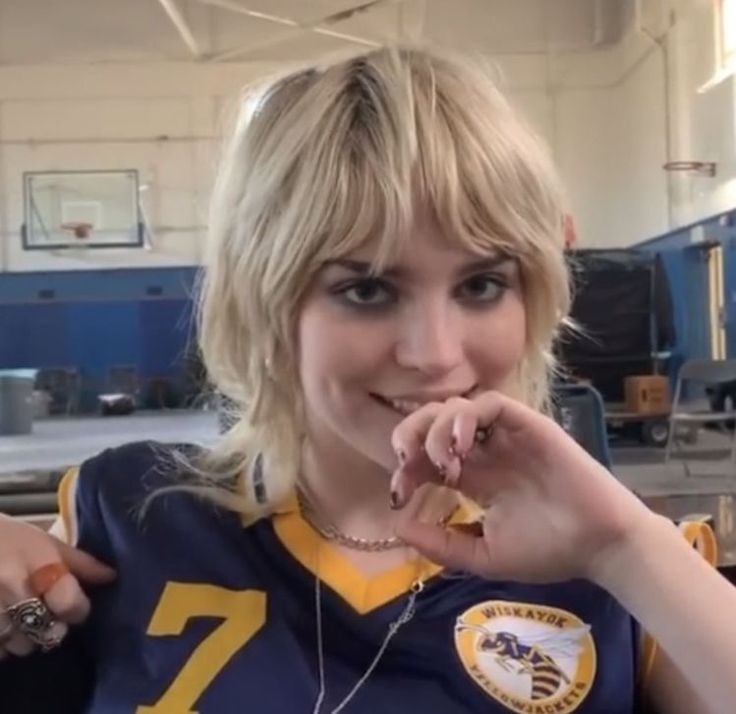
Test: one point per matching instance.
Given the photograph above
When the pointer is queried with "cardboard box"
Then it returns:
(647, 394)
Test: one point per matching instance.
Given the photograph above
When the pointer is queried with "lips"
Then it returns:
(402, 406)
(405, 407)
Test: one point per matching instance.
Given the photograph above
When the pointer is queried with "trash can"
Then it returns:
(16, 401)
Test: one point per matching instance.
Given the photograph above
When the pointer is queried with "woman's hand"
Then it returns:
(24, 550)
(551, 512)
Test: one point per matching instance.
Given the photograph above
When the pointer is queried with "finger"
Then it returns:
(6, 626)
(408, 478)
(19, 645)
(408, 437)
(13, 590)
(67, 601)
(405, 481)
(463, 434)
(439, 441)
(497, 410)
(55, 634)
(454, 549)
(84, 566)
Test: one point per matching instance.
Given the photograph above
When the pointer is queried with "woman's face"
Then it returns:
(439, 323)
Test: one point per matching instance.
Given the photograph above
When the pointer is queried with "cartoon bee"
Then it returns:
(530, 654)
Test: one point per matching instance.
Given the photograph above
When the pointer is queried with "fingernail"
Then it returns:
(453, 445)
(441, 469)
(455, 454)
(394, 500)
(401, 455)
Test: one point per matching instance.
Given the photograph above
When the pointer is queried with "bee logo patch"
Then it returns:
(531, 658)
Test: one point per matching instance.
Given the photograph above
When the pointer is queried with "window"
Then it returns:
(725, 43)
(726, 18)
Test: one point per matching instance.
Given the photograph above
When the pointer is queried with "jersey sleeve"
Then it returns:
(84, 494)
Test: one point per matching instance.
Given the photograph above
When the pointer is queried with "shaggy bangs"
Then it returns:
(403, 131)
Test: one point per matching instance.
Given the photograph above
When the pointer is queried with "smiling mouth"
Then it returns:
(405, 407)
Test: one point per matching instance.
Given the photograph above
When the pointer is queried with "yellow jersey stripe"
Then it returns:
(67, 497)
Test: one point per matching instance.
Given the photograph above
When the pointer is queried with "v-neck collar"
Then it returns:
(362, 592)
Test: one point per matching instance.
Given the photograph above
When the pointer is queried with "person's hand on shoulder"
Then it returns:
(41, 581)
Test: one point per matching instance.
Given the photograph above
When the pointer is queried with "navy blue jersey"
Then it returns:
(212, 616)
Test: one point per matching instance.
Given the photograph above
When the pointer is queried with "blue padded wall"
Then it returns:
(94, 320)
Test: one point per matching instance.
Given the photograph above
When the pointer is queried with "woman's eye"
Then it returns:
(482, 288)
(368, 292)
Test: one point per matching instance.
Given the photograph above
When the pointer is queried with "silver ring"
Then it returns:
(33, 619)
(483, 434)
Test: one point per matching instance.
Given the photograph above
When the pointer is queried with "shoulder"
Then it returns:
(131, 468)
(116, 483)
(144, 458)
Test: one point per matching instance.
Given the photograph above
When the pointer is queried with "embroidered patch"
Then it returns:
(532, 659)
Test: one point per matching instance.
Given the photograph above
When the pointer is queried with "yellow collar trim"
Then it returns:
(362, 592)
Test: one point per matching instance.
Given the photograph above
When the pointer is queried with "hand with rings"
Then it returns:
(550, 511)
(40, 592)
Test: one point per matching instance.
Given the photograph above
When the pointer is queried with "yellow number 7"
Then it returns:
(244, 612)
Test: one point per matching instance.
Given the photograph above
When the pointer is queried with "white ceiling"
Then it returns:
(54, 31)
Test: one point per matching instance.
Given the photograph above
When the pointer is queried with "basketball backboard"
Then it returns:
(73, 209)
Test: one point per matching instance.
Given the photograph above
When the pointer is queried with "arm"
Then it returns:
(687, 606)
(667, 691)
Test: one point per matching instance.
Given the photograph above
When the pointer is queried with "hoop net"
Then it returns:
(79, 229)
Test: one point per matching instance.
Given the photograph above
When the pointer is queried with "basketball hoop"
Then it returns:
(78, 229)
(693, 168)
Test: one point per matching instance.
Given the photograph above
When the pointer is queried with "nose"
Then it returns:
(431, 338)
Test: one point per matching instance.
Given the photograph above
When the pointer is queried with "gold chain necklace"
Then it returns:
(335, 535)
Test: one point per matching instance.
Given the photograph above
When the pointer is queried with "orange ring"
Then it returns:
(44, 578)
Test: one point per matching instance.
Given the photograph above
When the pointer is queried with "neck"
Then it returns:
(351, 493)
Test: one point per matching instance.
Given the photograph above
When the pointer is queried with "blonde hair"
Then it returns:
(323, 160)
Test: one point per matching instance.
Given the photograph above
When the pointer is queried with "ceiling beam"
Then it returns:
(172, 10)
(297, 28)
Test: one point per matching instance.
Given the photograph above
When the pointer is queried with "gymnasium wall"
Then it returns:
(611, 118)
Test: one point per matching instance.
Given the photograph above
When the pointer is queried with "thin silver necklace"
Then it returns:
(406, 614)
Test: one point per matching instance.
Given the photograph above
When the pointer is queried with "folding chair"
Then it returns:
(706, 372)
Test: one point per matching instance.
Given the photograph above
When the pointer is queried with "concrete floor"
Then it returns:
(64, 441)
(709, 489)
(30, 463)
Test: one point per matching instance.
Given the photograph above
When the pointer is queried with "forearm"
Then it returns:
(684, 603)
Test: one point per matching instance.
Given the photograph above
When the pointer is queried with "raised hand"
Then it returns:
(550, 511)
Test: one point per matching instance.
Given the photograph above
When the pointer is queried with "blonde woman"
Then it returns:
(393, 524)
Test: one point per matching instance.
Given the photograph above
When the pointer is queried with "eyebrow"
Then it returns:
(366, 268)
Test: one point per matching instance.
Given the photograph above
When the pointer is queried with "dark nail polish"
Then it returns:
(394, 500)
(401, 454)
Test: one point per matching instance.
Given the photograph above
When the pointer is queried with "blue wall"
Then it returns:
(687, 270)
(94, 320)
